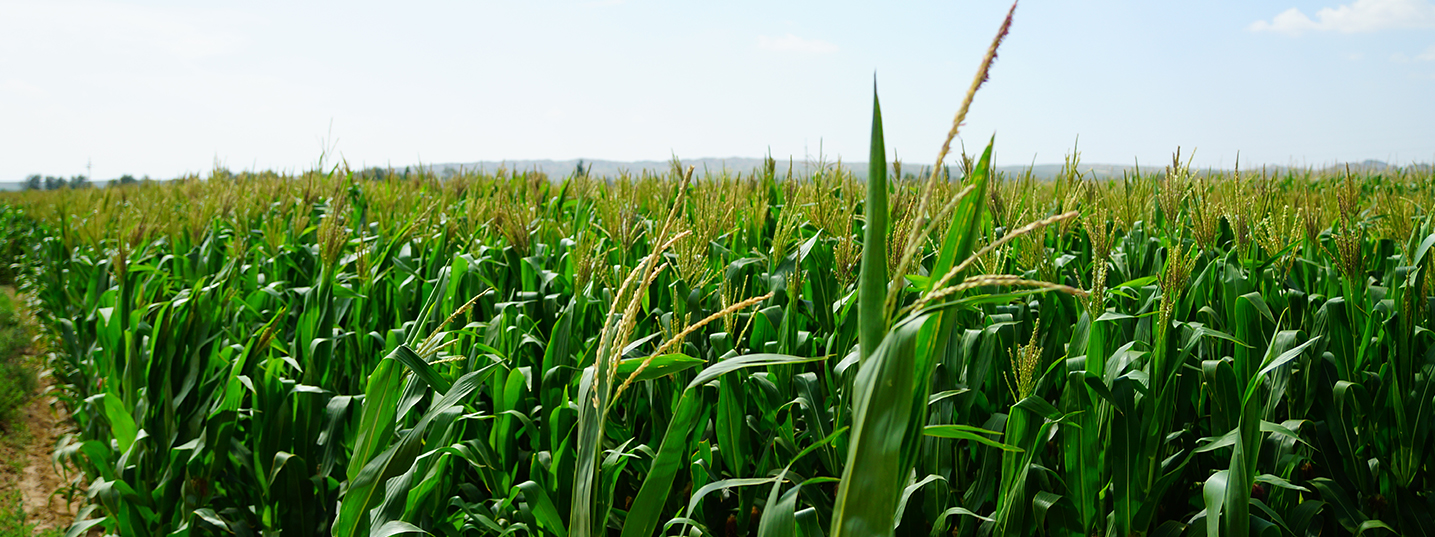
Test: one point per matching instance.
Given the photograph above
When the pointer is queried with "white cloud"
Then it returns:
(792, 43)
(1427, 56)
(1360, 16)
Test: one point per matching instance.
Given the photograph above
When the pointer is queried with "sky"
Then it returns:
(167, 88)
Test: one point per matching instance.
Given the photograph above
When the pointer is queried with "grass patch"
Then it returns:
(12, 519)
(17, 377)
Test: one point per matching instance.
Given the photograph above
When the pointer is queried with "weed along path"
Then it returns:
(27, 444)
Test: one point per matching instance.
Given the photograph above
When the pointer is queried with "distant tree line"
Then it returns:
(50, 182)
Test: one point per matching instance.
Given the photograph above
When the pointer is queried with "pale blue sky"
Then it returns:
(164, 88)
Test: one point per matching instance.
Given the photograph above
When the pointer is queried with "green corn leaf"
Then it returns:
(1339, 503)
(376, 421)
(1279, 482)
(962, 233)
(547, 514)
(967, 432)
(731, 426)
(873, 479)
(1041, 503)
(872, 288)
(1300, 518)
(422, 370)
(397, 527)
(122, 424)
(647, 507)
(367, 489)
(658, 366)
(702, 492)
(749, 360)
(808, 523)
(1284, 358)
(779, 514)
(1376, 527)
(1214, 494)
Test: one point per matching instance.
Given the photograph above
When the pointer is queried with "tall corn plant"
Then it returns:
(892, 384)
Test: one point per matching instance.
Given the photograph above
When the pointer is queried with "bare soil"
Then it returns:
(38, 479)
(26, 458)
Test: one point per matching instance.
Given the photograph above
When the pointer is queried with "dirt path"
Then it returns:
(27, 458)
(38, 480)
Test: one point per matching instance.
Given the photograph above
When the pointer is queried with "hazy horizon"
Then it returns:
(610, 168)
(162, 88)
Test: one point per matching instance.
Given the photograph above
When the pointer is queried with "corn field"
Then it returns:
(963, 353)
(512, 354)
